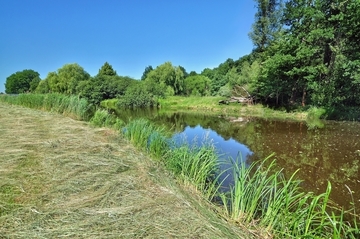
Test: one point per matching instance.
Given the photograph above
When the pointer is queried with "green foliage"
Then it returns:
(139, 95)
(267, 23)
(67, 105)
(195, 166)
(102, 87)
(147, 70)
(167, 74)
(314, 59)
(43, 87)
(225, 91)
(106, 70)
(246, 80)
(143, 134)
(67, 79)
(102, 118)
(197, 85)
(22, 82)
(261, 193)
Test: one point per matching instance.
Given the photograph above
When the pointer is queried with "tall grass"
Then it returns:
(102, 118)
(195, 165)
(261, 194)
(68, 105)
(143, 134)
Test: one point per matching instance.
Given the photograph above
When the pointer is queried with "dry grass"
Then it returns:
(60, 178)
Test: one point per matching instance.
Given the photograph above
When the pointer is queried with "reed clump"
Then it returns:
(67, 105)
(261, 194)
(102, 118)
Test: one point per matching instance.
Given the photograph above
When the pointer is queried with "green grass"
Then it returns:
(68, 105)
(260, 194)
(196, 166)
(211, 105)
(145, 135)
(102, 118)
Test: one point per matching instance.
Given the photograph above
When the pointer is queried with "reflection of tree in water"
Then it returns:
(322, 155)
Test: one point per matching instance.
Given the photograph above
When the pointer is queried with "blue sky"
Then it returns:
(44, 35)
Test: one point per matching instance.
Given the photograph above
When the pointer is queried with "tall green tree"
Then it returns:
(102, 87)
(244, 82)
(107, 70)
(67, 78)
(147, 70)
(197, 85)
(267, 24)
(22, 81)
(169, 75)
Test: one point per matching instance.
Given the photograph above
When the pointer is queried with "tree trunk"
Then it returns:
(303, 97)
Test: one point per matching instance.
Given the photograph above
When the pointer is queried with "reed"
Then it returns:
(145, 135)
(102, 118)
(68, 105)
(196, 166)
(260, 194)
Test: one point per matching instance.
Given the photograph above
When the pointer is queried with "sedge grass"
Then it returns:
(145, 135)
(102, 118)
(68, 105)
(261, 194)
(196, 166)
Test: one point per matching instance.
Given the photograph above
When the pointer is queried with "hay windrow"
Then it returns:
(62, 178)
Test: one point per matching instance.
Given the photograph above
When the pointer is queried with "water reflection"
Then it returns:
(331, 153)
(225, 147)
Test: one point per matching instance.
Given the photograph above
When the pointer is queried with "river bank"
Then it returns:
(211, 106)
(63, 178)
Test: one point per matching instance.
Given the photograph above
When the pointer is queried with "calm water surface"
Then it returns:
(331, 153)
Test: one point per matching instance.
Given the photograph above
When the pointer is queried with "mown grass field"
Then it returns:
(62, 178)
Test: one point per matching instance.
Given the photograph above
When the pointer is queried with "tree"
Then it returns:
(138, 95)
(147, 70)
(197, 85)
(22, 81)
(267, 23)
(107, 70)
(43, 87)
(67, 79)
(102, 87)
(246, 80)
(167, 74)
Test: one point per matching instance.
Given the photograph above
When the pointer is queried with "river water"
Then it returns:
(330, 153)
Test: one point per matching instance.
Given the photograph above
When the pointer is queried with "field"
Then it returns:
(63, 178)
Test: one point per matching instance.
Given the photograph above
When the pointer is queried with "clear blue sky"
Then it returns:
(43, 35)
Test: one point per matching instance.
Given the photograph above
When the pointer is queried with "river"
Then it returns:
(330, 153)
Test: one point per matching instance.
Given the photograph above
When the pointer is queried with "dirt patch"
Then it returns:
(63, 178)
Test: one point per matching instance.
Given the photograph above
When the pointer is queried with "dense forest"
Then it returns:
(306, 53)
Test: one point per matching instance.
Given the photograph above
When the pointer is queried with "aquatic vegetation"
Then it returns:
(68, 105)
(261, 194)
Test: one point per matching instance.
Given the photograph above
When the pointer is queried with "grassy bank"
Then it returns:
(261, 200)
(62, 178)
(211, 105)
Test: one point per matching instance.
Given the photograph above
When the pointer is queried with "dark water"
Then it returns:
(331, 153)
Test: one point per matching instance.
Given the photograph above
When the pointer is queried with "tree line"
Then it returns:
(306, 53)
